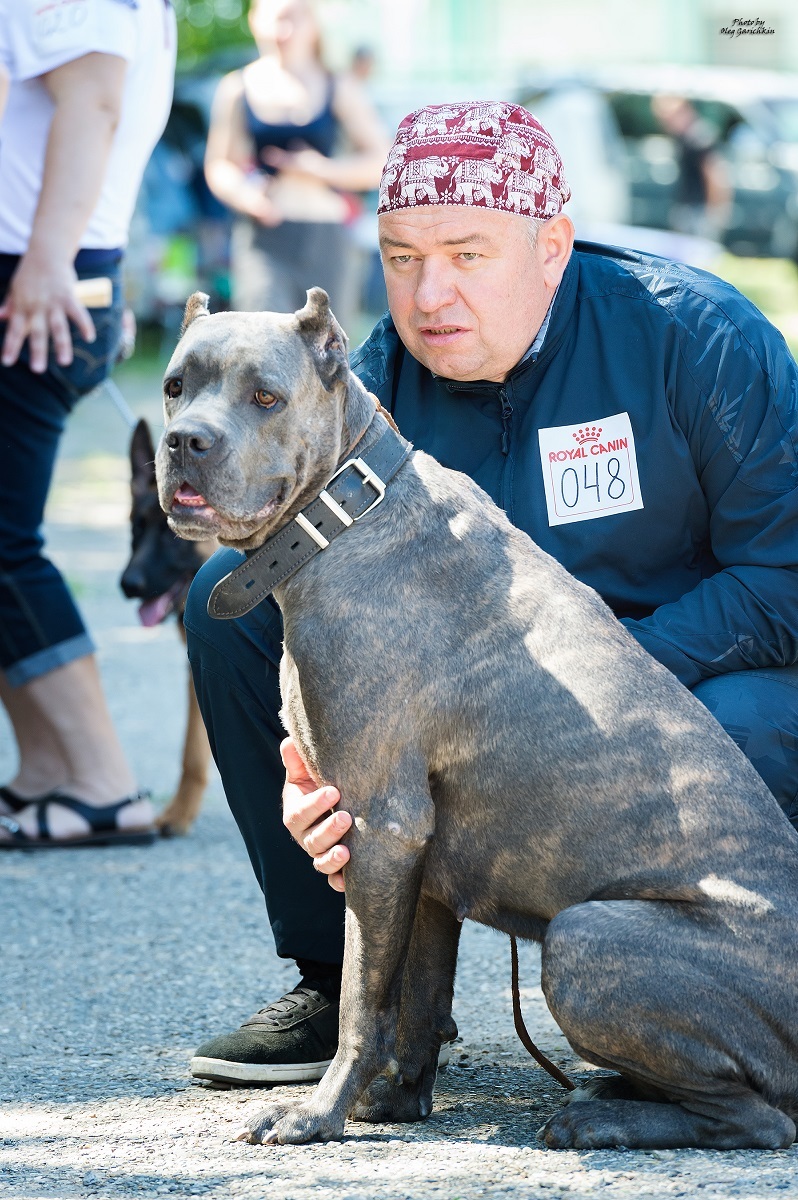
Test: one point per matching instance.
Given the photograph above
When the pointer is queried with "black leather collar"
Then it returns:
(357, 486)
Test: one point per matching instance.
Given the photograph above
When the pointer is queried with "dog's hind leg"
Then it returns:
(677, 1002)
(181, 813)
(425, 1020)
(383, 883)
(732, 1122)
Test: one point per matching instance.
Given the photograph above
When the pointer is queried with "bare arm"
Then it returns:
(4, 82)
(228, 156)
(716, 183)
(359, 171)
(40, 302)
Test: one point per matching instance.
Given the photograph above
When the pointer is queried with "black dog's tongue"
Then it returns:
(152, 612)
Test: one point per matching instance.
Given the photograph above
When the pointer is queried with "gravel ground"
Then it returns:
(117, 963)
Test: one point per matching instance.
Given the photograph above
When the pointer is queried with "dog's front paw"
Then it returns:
(282, 1124)
(174, 821)
(387, 1101)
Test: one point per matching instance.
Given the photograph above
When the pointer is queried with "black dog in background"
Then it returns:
(159, 573)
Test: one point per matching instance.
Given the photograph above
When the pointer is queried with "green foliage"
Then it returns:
(208, 27)
(772, 285)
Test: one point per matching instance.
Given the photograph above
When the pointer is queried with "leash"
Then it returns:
(124, 409)
(523, 1033)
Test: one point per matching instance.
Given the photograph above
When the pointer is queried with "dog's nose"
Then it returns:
(133, 582)
(194, 439)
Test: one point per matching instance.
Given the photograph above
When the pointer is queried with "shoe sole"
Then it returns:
(221, 1071)
(135, 838)
(218, 1070)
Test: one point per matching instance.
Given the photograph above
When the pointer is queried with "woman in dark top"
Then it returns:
(271, 157)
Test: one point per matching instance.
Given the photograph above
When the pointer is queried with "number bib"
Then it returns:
(589, 470)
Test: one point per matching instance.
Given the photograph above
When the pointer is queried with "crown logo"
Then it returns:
(590, 433)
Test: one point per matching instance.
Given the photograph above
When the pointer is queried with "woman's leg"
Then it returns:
(49, 680)
(68, 707)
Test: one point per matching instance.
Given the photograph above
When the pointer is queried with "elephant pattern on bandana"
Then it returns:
(487, 154)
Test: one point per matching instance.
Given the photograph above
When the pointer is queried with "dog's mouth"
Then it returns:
(187, 497)
(191, 511)
(153, 612)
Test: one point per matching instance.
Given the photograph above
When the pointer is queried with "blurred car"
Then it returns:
(754, 115)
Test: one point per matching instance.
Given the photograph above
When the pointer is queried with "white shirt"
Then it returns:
(36, 36)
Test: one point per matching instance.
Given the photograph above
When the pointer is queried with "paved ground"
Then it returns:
(117, 963)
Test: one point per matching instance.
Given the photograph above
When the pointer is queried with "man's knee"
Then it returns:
(196, 618)
(246, 648)
(759, 711)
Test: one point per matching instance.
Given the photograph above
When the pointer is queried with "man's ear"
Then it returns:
(324, 338)
(142, 458)
(196, 306)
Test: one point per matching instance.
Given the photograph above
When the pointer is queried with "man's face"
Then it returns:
(466, 288)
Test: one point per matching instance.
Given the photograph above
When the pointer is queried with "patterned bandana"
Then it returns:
(486, 154)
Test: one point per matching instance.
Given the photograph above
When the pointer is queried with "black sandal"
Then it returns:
(104, 830)
(15, 803)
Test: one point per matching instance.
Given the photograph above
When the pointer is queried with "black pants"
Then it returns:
(235, 667)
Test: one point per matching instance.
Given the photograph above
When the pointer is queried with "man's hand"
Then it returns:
(307, 816)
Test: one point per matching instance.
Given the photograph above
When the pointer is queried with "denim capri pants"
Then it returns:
(40, 626)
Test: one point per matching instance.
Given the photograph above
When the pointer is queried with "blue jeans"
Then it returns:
(235, 669)
(40, 626)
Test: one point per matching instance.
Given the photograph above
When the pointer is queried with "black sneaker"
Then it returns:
(292, 1040)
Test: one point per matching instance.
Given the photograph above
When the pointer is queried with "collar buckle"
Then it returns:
(368, 476)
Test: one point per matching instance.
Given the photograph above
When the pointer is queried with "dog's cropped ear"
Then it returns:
(142, 458)
(196, 306)
(324, 337)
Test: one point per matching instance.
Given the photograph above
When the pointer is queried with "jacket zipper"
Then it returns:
(507, 410)
(507, 416)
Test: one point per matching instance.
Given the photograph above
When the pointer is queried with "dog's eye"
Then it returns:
(265, 399)
(173, 388)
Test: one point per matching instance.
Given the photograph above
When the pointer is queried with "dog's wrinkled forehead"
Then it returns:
(226, 345)
(279, 347)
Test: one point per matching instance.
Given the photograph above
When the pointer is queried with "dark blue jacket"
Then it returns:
(705, 574)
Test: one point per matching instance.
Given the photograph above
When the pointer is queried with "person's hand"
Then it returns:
(307, 816)
(254, 202)
(39, 305)
(308, 162)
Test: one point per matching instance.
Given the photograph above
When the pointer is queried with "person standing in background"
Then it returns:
(702, 194)
(90, 92)
(271, 158)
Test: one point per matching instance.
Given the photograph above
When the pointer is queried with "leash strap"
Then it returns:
(125, 412)
(355, 489)
(523, 1033)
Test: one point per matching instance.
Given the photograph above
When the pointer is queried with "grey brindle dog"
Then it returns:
(509, 754)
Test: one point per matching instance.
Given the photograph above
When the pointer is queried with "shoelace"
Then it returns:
(297, 998)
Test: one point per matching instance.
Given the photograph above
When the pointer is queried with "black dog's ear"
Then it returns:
(324, 337)
(196, 306)
(142, 458)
